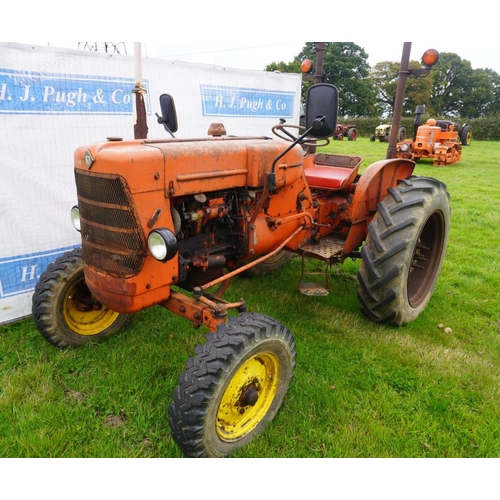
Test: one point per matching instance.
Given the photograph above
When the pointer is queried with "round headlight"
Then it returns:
(75, 218)
(404, 147)
(162, 244)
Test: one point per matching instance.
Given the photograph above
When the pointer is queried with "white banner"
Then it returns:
(55, 100)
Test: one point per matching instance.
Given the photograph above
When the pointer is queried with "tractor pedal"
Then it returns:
(312, 289)
(326, 250)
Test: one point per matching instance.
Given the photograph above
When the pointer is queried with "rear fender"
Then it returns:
(371, 188)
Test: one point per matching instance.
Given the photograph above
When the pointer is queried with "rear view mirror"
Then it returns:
(321, 110)
(168, 114)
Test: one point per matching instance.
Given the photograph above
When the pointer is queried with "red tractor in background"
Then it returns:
(349, 131)
(440, 140)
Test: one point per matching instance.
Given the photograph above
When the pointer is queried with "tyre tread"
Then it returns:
(391, 235)
(197, 384)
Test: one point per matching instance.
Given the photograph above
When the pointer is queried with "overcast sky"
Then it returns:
(257, 54)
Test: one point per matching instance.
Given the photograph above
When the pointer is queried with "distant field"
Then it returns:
(429, 389)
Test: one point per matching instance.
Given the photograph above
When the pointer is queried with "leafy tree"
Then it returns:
(452, 89)
(345, 66)
(418, 90)
(494, 105)
(452, 82)
(482, 95)
(292, 67)
(384, 77)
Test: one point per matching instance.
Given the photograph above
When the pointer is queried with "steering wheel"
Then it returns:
(282, 132)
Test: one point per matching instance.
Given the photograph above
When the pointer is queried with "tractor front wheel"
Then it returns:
(64, 310)
(404, 250)
(233, 387)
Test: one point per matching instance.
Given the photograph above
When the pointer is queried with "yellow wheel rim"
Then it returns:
(248, 397)
(83, 314)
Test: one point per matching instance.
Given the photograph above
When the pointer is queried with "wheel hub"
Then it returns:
(84, 314)
(249, 396)
(83, 300)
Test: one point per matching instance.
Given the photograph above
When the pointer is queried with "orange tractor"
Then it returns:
(169, 222)
(440, 140)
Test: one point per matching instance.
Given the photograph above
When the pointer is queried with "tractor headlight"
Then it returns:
(405, 147)
(75, 218)
(162, 244)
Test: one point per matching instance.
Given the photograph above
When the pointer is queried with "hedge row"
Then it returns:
(483, 129)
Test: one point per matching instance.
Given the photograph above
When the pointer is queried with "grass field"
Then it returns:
(428, 389)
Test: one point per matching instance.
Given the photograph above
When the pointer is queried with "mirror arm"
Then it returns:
(271, 177)
(161, 121)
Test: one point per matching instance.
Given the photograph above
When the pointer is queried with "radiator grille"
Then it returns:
(112, 238)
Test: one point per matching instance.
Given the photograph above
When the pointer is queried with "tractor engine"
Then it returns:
(211, 230)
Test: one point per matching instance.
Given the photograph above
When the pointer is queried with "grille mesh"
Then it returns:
(112, 239)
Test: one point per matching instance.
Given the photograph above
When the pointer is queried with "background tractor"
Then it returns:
(440, 140)
(383, 133)
(350, 131)
(169, 222)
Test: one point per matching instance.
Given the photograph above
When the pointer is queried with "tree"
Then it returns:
(345, 66)
(479, 98)
(452, 89)
(452, 83)
(494, 105)
(384, 77)
(293, 67)
(418, 90)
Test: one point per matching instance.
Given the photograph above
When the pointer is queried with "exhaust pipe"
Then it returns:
(418, 113)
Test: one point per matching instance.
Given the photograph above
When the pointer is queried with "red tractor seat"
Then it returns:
(330, 171)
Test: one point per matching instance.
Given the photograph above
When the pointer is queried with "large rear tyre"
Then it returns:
(466, 135)
(64, 310)
(404, 250)
(233, 387)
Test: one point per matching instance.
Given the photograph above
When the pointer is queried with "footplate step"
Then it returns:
(312, 289)
(326, 250)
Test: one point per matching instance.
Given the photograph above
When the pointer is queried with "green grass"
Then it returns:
(360, 389)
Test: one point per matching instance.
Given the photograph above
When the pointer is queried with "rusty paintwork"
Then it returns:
(184, 185)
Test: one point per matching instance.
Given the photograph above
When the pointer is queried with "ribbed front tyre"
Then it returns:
(233, 387)
(404, 250)
(64, 310)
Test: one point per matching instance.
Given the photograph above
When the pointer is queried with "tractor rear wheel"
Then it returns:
(352, 134)
(466, 135)
(233, 387)
(404, 250)
(64, 310)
